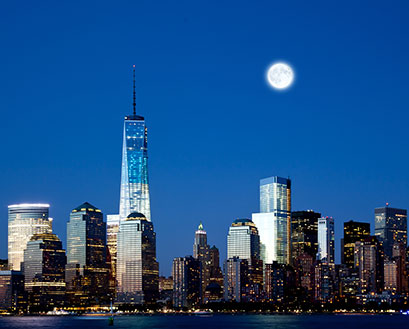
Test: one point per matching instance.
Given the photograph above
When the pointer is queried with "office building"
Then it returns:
(25, 220)
(201, 251)
(304, 234)
(325, 282)
(44, 272)
(353, 232)
(137, 268)
(369, 261)
(87, 273)
(243, 240)
(112, 245)
(186, 282)
(274, 220)
(12, 297)
(326, 240)
(391, 226)
(236, 279)
(134, 173)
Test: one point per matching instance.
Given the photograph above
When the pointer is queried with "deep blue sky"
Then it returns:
(215, 127)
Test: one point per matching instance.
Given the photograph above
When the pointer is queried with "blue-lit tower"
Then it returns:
(134, 173)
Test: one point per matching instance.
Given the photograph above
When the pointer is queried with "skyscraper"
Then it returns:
(391, 226)
(186, 281)
(236, 278)
(274, 220)
(112, 244)
(369, 261)
(353, 232)
(134, 174)
(87, 273)
(326, 240)
(44, 271)
(304, 234)
(243, 240)
(24, 220)
(137, 268)
(201, 252)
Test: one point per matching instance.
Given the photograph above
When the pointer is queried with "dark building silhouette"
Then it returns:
(353, 232)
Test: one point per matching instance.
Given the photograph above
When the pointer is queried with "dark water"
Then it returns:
(214, 322)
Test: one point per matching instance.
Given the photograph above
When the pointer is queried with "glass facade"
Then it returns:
(24, 220)
(326, 240)
(134, 175)
(44, 271)
(137, 268)
(391, 227)
(273, 237)
(87, 272)
(112, 239)
(304, 233)
(186, 281)
(353, 232)
(275, 199)
(243, 241)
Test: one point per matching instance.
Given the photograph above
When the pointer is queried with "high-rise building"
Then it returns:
(24, 220)
(274, 220)
(137, 268)
(325, 282)
(391, 226)
(112, 245)
(353, 232)
(186, 282)
(304, 234)
(216, 274)
(134, 175)
(12, 296)
(44, 271)
(236, 279)
(87, 274)
(201, 252)
(326, 240)
(243, 240)
(369, 261)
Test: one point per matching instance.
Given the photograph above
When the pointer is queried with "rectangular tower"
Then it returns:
(326, 240)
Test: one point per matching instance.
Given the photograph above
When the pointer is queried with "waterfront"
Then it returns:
(212, 321)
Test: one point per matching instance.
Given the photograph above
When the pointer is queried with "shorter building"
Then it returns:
(44, 272)
(275, 282)
(325, 282)
(353, 232)
(186, 282)
(165, 288)
(137, 268)
(326, 240)
(112, 246)
(348, 283)
(4, 265)
(236, 279)
(12, 296)
(370, 265)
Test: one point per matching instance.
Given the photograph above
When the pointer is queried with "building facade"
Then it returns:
(201, 251)
(304, 234)
(186, 282)
(326, 240)
(112, 245)
(134, 173)
(243, 241)
(274, 220)
(12, 297)
(236, 279)
(353, 232)
(44, 272)
(137, 267)
(391, 226)
(25, 220)
(87, 273)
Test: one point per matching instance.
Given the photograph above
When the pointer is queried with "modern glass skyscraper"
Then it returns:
(134, 174)
(391, 226)
(243, 241)
(44, 271)
(137, 268)
(326, 240)
(24, 220)
(112, 244)
(353, 232)
(201, 253)
(87, 272)
(274, 220)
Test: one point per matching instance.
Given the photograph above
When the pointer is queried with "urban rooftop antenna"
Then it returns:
(134, 93)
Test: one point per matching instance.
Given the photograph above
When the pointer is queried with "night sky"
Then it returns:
(215, 127)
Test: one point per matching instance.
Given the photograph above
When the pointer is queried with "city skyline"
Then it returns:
(202, 106)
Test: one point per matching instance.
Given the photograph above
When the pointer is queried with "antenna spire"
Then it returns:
(134, 93)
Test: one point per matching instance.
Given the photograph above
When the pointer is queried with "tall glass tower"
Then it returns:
(134, 174)
(326, 240)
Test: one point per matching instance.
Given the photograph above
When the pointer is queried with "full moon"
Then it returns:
(280, 76)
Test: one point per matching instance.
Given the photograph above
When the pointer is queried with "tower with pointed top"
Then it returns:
(134, 173)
